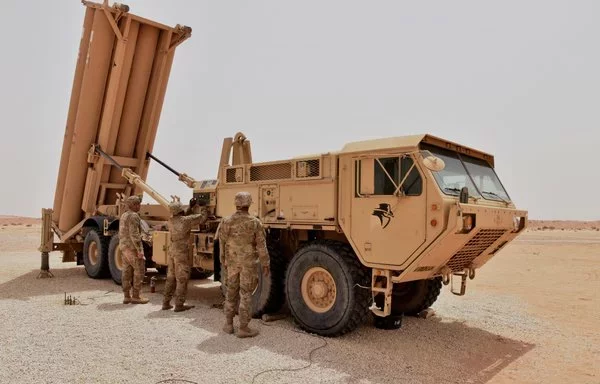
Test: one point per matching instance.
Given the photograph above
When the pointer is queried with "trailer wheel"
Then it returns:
(95, 254)
(115, 260)
(413, 297)
(323, 286)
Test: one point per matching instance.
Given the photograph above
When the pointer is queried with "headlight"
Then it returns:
(518, 223)
(468, 223)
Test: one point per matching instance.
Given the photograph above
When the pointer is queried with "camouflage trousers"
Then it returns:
(241, 281)
(178, 275)
(133, 269)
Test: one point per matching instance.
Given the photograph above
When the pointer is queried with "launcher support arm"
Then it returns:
(134, 178)
(187, 180)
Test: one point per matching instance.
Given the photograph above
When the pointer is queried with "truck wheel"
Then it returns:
(268, 296)
(322, 286)
(412, 297)
(115, 260)
(95, 254)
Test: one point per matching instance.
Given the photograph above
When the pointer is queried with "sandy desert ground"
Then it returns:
(532, 315)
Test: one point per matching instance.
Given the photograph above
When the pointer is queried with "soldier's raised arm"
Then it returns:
(199, 218)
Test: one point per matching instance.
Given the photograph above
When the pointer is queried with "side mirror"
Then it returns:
(434, 163)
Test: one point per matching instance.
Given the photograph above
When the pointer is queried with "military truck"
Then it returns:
(377, 227)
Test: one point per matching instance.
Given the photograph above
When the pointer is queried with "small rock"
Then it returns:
(426, 313)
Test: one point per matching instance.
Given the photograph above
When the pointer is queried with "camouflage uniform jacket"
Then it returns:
(242, 240)
(180, 227)
(130, 232)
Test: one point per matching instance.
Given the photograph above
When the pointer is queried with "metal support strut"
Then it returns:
(45, 267)
(182, 176)
(46, 243)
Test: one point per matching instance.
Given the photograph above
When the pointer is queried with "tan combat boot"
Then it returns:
(126, 298)
(137, 299)
(166, 306)
(228, 327)
(245, 331)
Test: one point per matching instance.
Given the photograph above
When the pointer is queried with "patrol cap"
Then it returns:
(133, 200)
(243, 199)
(175, 208)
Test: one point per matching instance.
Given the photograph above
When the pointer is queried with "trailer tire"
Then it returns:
(323, 286)
(412, 297)
(95, 254)
(115, 260)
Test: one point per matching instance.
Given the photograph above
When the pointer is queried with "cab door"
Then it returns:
(388, 208)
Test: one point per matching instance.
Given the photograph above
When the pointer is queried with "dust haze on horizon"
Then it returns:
(519, 80)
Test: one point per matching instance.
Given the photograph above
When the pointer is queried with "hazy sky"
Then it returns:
(519, 79)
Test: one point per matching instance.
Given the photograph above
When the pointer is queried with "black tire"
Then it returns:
(96, 264)
(351, 305)
(412, 297)
(268, 297)
(115, 261)
(161, 269)
(200, 274)
(388, 322)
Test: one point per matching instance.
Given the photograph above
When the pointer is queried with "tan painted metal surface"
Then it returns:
(118, 91)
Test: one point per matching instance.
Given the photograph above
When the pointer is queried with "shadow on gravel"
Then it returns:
(423, 351)
(67, 280)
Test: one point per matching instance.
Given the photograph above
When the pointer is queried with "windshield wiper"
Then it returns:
(495, 194)
(452, 189)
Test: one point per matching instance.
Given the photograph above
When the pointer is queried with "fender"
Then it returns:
(98, 223)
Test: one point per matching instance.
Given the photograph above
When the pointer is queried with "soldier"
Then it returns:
(242, 241)
(179, 263)
(130, 244)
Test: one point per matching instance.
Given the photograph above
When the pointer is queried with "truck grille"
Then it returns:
(474, 247)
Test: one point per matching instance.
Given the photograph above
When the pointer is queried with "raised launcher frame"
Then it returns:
(120, 81)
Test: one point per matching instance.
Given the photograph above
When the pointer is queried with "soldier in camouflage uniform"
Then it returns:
(132, 252)
(180, 263)
(243, 244)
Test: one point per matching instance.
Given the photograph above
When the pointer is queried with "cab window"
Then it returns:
(382, 176)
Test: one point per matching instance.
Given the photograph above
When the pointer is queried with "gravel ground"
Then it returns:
(514, 325)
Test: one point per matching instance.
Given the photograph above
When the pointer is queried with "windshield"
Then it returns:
(485, 178)
(466, 171)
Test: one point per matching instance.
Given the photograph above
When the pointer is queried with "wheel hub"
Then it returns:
(93, 252)
(118, 259)
(318, 289)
